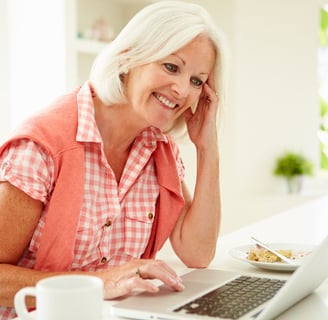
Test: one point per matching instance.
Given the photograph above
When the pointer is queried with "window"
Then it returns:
(323, 78)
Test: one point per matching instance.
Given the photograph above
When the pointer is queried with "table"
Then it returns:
(306, 224)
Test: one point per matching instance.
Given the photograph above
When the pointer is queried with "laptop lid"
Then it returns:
(312, 272)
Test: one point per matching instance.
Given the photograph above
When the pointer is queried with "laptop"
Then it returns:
(187, 305)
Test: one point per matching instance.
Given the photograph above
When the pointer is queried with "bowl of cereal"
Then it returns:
(260, 257)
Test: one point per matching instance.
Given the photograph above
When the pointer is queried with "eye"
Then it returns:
(196, 82)
(171, 67)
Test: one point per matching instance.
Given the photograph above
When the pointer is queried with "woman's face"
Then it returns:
(159, 92)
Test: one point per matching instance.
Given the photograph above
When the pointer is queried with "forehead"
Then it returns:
(199, 51)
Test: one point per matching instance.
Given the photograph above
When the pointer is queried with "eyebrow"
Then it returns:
(184, 63)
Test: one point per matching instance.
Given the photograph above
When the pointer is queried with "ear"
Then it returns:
(123, 63)
(124, 76)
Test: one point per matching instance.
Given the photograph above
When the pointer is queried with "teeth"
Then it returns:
(163, 100)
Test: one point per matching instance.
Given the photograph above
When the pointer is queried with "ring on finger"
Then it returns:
(138, 274)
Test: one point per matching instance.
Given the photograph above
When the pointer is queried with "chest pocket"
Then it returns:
(139, 206)
(137, 229)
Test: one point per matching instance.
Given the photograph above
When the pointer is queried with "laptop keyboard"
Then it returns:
(235, 298)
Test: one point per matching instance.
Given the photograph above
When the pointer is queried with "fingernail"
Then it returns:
(174, 280)
(180, 285)
(155, 289)
(178, 281)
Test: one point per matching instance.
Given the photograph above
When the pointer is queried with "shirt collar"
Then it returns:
(151, 135)
(87, 130)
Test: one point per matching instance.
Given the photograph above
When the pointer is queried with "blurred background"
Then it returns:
(277, 97)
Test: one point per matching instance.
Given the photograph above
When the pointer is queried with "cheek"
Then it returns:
(141, 84)
(134, 88)
(193, 101)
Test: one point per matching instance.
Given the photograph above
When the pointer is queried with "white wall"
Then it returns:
(272, 104)
(275, 87)
(4, 73)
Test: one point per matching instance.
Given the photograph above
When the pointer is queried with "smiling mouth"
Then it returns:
(165, 101)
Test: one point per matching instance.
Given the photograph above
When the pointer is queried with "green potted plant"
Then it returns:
(293, 166)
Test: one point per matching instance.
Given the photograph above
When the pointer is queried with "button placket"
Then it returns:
(4, 165)
(108, 223)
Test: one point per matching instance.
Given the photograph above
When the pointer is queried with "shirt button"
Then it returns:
(103, 260)
(4, 165)
(108, 223)
(150, 216)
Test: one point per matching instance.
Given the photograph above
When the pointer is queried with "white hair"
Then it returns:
(154, 33)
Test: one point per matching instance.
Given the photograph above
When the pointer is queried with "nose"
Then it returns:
(181, 86)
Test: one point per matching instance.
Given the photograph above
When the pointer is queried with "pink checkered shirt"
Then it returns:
(116, 218)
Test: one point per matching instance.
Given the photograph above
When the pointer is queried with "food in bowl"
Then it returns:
(263, 255)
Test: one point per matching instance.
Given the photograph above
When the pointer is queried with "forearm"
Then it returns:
(13, 278)
(206, 205)
(118, 280)
(196, 236)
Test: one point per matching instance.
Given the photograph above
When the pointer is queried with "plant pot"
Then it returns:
(294, 184)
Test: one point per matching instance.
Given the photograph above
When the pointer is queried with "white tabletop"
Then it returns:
(305, 224)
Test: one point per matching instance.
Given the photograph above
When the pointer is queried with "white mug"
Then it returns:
(66, 297)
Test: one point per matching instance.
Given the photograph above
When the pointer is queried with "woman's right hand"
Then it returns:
(135, 275)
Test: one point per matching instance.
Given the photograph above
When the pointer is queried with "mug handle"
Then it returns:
(20, 305)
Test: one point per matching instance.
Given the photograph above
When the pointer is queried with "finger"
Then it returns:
(156, 269)
(156, 266)
(188, 114)
(210, 93)
(127, 286)
(161, 271)
(211, 81)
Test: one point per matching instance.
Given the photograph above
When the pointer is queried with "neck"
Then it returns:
(115, 125)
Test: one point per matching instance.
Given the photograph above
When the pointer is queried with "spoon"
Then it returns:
(263, 245)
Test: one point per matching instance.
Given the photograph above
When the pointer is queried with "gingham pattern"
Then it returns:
(22, 164)
(115, 219)
(7, 313)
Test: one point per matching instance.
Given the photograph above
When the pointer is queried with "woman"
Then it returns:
(94, 183)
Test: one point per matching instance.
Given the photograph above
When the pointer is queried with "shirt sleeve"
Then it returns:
(28, 167)
(179, 161)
